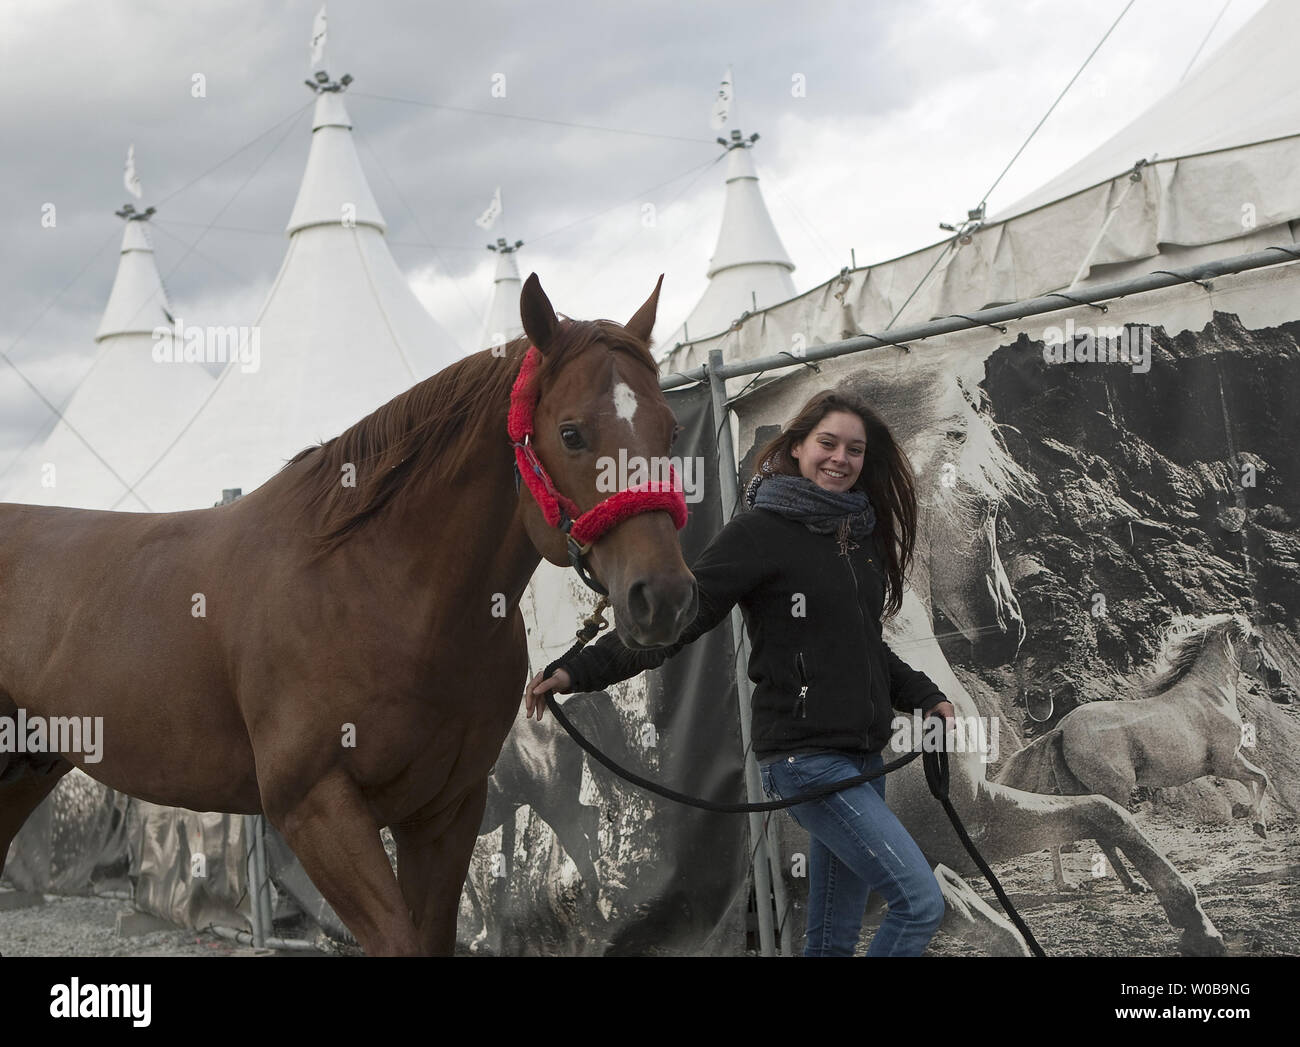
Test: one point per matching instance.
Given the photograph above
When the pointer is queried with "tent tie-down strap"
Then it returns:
(936, 775)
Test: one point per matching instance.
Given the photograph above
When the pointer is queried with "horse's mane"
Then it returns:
(427, 431)
(1183, 641)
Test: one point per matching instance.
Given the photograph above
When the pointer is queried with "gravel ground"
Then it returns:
(80, 926)
(1249, 887)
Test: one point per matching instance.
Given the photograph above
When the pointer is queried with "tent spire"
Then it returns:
(128, 404)
(137, 303)
(750, 268)
(339, 334)
(503, 323)
(747, 236)
(334, 190)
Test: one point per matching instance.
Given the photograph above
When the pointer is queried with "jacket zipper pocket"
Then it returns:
(801, 703)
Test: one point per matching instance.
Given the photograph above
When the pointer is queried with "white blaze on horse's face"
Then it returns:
(625, 403)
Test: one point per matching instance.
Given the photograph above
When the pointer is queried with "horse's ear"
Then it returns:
(644, 321)
(540, 322)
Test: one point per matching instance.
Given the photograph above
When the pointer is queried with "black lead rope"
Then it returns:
(936, 776)
(724, 808)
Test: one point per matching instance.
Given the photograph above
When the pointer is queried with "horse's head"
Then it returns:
(601, 425)
(1255, 657)
(968, 581)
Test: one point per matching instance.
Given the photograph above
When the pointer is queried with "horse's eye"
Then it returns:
(572, 438)
(676, 433)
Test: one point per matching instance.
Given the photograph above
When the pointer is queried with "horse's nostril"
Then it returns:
(663, 606)
(639, 601)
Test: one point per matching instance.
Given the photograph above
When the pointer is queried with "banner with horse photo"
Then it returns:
(1106, 585)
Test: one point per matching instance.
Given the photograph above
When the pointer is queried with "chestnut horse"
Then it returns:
(342, 649)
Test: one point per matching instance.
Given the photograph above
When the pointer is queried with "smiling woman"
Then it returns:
(825, 679)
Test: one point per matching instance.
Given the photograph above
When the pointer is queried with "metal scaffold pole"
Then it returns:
(768, 881)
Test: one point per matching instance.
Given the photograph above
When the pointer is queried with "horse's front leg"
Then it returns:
(1256, 781)
(433, 853)
(334, 835)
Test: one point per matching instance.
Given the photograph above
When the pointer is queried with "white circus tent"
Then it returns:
(339, 335)
(750, 269)
(128, 406)
(1209, 171)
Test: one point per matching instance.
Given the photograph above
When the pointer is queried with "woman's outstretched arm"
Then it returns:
(728, 568)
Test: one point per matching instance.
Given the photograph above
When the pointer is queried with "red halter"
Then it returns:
(583, 529)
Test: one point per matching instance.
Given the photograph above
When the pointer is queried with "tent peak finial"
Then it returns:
(737, 140)
(321, 82)
(130, 214)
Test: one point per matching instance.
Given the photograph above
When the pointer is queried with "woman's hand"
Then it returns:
(535, 693)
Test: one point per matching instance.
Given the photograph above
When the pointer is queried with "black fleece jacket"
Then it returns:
(824, 677)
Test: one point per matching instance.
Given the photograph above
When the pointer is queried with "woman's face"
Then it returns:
(831, 456)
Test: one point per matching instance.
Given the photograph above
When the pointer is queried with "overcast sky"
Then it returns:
(910, 109)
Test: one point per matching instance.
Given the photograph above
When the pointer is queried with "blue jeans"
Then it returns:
(858, 845)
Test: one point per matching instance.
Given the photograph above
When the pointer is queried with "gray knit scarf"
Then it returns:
(821, 511)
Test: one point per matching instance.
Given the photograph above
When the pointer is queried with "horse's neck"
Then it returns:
(1215, 671)
(918, 576)
(486, 514)
(463, 539)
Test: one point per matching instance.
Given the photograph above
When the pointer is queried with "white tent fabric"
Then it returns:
(750, 266)
(340, 334)
(1094, 223)
(127, 407)
(1245, 93)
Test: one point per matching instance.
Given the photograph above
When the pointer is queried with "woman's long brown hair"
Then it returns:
(886, 477)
